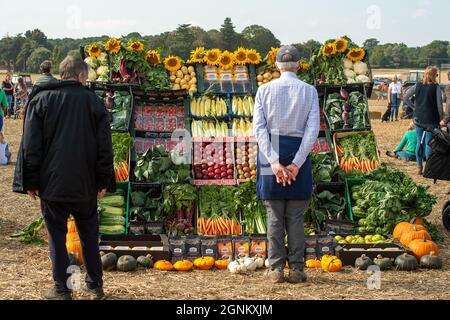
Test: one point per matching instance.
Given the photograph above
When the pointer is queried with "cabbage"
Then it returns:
(360, 68)
(92, 74)
(362, 79)
(350, 74)
(348, 64)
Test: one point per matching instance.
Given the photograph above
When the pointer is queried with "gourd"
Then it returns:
(423, 247)
(363, 263)
(126, 264)
(259, 262)
(406, 262)
(404, 227)
(237, 268)
(383, 263)
(204, 263)
(313, 264)
(431, 261)
(73, 243)
(183, 265)
(267, 263)
(331, 263)
(164, 265)
(221, 264)
(109, 261)
(249, 263)
(146, 262)
(415, 234)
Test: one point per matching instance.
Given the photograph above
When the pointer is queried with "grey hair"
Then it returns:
(71, 67)
(287, 65)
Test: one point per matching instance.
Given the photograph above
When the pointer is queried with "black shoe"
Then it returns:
(97, 293)
(52, 294)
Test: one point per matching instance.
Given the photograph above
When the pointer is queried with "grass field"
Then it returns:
(25, 270)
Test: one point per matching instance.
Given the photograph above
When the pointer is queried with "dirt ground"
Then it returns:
(25, 270)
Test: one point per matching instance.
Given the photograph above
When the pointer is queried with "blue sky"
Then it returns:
(414, 22)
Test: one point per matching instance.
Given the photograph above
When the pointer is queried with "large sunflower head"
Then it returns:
(329, 50)
(197, 55)
(172, 63)
(253, 57)
(212, 57)
(341, 45)
(241, 56)
(113, 45)
(136, 46)
(272, 56)
(226, 60)
(153, 57)
(94, 51)
(356, 54)
(304, 65)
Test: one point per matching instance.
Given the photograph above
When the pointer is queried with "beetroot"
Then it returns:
(180, 223)
(344, 94)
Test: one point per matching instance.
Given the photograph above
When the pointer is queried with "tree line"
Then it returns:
(24, 52)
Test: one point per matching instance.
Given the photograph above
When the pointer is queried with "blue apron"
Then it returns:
(267, 187)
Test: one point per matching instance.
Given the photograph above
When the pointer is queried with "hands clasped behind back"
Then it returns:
(285, 175)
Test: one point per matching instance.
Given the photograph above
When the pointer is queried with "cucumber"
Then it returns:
(112, 211)
(111, 229)
(112, 201)
(112, 221)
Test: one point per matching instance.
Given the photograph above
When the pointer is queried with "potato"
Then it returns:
(183, 83)
(177, 80)
(173, 73)
(191, 69)
(260, 78)
(176, 87)
(180, 74)
(266, 81)
(184, 69)
(187, 78)
(173, 78)
(276, 75)
(267, 76)
(193, 74)
(193, 81)
(185, 86)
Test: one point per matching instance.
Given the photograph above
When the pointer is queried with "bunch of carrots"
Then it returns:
(121, 170)
(218, 227)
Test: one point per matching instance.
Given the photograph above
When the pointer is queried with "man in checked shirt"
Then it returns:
(286, 125)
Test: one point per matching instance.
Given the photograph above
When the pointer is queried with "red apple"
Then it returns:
(223, 175)
(230, 177)
(230, 171)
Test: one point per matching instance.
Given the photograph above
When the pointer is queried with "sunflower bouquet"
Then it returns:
(97, 61)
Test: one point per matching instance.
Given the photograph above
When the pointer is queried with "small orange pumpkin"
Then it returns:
(407, 237)
(313, 264)
(331, 264)
(163, 265)
(183, 265)
(73, 243)
(423, 247)
(204, 263)
(418, 221)
(222, 264)
(404, 227)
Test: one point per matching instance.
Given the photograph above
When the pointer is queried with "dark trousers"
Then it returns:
(286, 216)
(86, 219)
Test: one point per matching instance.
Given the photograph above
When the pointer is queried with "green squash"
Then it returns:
(363, 262)
(383, 263)
(406, 262)
(126, 264)
(431, 261)
(146, 262)
(109, 261)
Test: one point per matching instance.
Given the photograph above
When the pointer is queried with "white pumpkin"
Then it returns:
(250, 264)
(234, 267)
(267, 263)
(259, 262)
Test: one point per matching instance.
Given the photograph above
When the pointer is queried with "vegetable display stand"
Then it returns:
(246, 153)
(346, 108)
(136, 246)
(349, 184)
(114, 211)
(348, 253)
(146, 209)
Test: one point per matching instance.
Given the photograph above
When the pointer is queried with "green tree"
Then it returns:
(215, 39)
(182, 41)
(38, 36)
(25, 52)
(230, 37)
(435, 52)
(10, 48)
(370, 44)
(260, 38)
(56, 58)
(307, 48)
(36, 58)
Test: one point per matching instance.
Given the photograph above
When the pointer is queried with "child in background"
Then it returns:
(5, 155)
(406, 150)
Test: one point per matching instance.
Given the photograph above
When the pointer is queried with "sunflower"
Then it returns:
(113, 45)
(197, 55)
(226, 60)
(212, 57)
(341, 45)
(241, 56)
(329, 50)
(305, 66)
(253, 57)
(356, 54)
(272, 56)
(136, 46)
(94, 51)
(153, 57)
(172, 63)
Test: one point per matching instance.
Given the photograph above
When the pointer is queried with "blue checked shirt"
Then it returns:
(287, 107)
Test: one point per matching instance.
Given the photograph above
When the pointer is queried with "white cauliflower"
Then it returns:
(351, 81)
(360, 68)
(92, 62)
(103, 58)
(103, 72)
(92, 74)
(348, 64)
(350, 74)
(362, 79)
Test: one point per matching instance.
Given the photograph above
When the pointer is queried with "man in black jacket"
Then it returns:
(67, 162)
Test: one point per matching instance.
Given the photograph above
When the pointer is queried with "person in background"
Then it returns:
(8, 87)
(394, 96)
(383, 90)
(406, 150)
(21, 96)
(3, 107)
(46, 75)
(428, 111)
(68, 164)
(446, 119)
(5, 155)
(286, 126)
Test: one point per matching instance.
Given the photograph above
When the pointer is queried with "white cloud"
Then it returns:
(426, 2)
(420, 13)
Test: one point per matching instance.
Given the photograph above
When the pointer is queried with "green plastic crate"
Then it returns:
(349, 183)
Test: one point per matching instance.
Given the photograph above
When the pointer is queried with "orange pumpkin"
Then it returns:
(313, 264)
(404, 227)
(423, 247)
(183, 265)
(407, 237)
(73, 243)
(418, 221)
(222, 264)
(164, 265)
(204, 263)
(331, 264)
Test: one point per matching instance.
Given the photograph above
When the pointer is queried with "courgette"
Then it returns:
(112, 201)
(112, 211)
(112, 221)
(111, 229)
